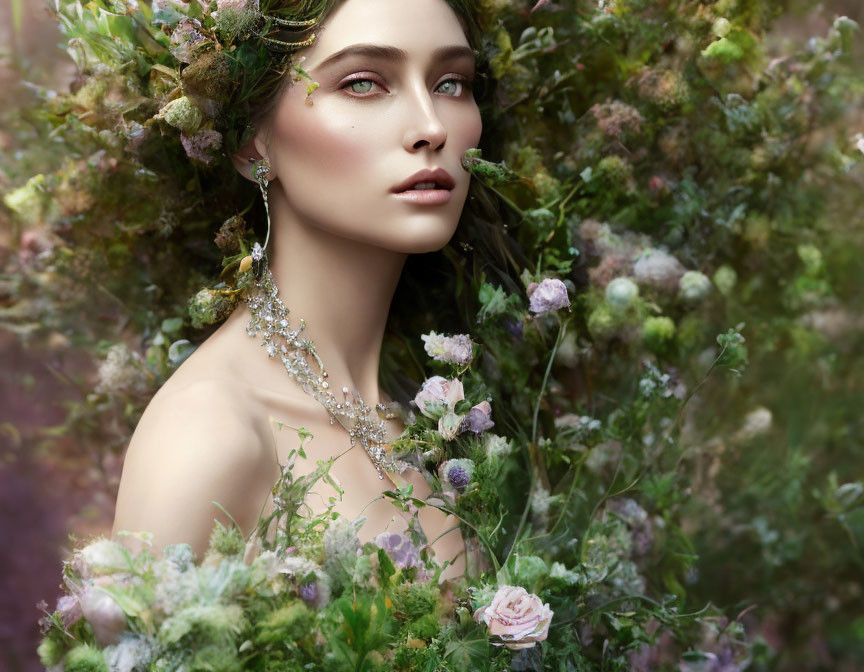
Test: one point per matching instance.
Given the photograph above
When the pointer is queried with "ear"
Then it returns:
(251, 151)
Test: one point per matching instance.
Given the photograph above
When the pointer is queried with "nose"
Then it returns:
(424, 127)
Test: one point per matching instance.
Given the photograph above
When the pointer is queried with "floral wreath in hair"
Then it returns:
(152, 72)
(199, 56)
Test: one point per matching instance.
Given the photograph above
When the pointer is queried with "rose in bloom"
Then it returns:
(103, 613)
(449, 424)
(452, 349)
(550, 294)
(517, 617)
(479, 418)
(437, 395)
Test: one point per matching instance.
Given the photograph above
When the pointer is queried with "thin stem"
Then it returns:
(561, 331)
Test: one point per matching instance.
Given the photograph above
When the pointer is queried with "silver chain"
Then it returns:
(270, 318)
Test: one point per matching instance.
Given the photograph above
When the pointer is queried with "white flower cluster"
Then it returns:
(452, 349)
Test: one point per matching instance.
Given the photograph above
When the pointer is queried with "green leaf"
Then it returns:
(386, 568)
(468, 653)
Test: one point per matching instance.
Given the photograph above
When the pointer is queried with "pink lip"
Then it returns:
(425, 196)
(439, 176)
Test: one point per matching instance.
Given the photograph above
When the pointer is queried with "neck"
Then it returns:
(342, 289)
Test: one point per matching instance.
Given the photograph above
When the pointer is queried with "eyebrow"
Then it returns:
(386, 52)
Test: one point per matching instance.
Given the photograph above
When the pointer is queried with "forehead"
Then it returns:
(415, 26)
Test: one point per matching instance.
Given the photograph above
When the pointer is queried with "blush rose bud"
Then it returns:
(518, 618)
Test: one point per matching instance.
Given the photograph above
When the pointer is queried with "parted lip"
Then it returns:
(439, 176)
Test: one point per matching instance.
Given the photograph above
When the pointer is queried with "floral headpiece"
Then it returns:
(203, 68)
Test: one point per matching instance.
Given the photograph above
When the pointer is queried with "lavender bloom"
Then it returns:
(70, 610)
(551, 294)
(456, 473)
(479, 418)
(452, 349)
(202, 145)
(401, 550)
(309, 593)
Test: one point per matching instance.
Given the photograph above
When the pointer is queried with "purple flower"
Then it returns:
(202, 145)
(309, 593)
(400, 548)
(479, 418)
(550, 294)
(70, 610)
(452, 349)
(456, 473)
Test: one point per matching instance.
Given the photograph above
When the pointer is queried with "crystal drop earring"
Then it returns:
(260, 169)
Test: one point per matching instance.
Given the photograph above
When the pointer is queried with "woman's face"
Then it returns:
(378, 117)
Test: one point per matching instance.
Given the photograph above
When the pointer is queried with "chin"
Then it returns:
(420, 237)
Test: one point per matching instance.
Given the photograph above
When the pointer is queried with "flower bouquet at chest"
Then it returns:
(302, 592)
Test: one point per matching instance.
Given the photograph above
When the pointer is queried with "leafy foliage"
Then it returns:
(650, 457)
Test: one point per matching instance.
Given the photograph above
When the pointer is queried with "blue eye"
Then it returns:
(455, 86)
(361, 81)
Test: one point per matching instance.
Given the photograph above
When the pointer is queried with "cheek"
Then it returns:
(313, 142)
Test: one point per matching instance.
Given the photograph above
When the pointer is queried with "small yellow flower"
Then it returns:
(245, 263)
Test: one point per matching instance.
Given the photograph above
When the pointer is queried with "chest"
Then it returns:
(355, 490)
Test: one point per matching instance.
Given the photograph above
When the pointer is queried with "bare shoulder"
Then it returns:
(198, 442)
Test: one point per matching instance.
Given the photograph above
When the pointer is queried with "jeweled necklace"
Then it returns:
(270, 318)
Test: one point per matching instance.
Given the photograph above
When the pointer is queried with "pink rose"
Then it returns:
(516, 616)
(103, 613)
(437, 395)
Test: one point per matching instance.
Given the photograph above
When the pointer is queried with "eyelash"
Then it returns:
(466, 85)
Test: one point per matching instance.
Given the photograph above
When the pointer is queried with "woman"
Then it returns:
(394, 109)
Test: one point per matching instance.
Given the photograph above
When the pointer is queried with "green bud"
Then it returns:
(721, 27)
(658, 332)
(181, 113)
(50, 652)
(209, 306)
(85, 658)
(725, 278)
